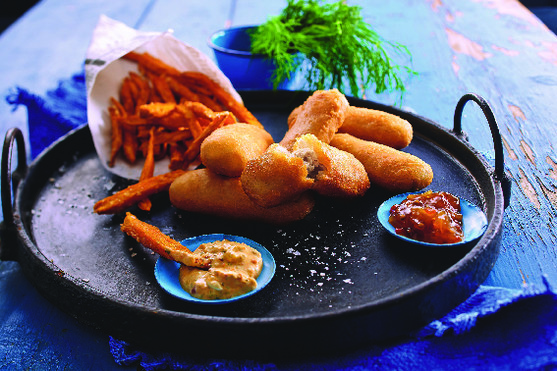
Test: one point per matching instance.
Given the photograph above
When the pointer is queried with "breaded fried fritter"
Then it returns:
(374, 125)
(377, 126)
(205, 192)
(275, 177)
(280, 175)
(387, 167)
(335, 172)
(321, 115)
(229, 148)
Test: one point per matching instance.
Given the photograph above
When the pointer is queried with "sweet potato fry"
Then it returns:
(168, 115)
(182, 106)
(152, 238)
(126, 95)
(195, 146)
(131, 195)
(228, 102)
(129, 144)
(152, 63)
(181, 89)
(162, 88)
(142, 90)
(116, 134)
(177, 151)
(168, 137)
(200, 110)
(148, 168)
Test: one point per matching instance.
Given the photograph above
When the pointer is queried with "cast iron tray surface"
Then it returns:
(341, 280)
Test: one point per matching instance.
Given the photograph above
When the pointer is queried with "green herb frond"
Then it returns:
(334, 44)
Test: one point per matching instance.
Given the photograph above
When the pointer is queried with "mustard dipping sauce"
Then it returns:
(233, 272)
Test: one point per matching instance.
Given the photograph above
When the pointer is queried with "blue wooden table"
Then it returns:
(495, 48)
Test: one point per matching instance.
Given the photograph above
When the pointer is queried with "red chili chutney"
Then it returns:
(429, 217)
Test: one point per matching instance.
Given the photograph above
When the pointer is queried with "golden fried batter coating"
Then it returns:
(275, 177)
(228, 149)
(387, 167)
(205, 192)
(374, 125)
(337, 173)
(377, 126)
(321, 115)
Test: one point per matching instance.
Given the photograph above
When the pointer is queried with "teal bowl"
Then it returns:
(246, 71)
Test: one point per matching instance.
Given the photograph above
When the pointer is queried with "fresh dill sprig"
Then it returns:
(333, 44)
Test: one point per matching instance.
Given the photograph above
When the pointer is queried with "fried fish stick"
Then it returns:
(374, 125)
(321, 115)
(280, 175)
(131, 195)
(377, 126)
(275, 177)
(203, 191)
(337, 173)
(152, 238)
(387, 167)
(228, 149)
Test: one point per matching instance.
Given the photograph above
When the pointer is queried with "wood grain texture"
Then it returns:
(501, 51)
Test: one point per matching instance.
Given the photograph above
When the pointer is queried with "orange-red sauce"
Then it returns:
(234, 270)
(429, 217)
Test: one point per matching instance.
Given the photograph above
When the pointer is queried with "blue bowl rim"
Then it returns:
(269, 262)
(382, 216)
(231, 51)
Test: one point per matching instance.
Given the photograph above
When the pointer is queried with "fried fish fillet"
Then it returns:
(321, 115)
(387, 167)
(374, 125)
(280, 175)
(228, 149)
(377, 126)
(203, 191)
(336, 173)
(275, 177)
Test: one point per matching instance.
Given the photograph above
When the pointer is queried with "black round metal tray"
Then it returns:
(341, 280)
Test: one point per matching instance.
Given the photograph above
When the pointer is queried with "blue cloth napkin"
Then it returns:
(49, 118)
(496, 328)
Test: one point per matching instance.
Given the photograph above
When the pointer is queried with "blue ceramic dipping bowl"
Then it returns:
(232, 48)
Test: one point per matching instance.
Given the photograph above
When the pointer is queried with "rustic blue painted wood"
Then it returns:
(494, 48)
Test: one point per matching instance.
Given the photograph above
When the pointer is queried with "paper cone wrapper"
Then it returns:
(105, 70)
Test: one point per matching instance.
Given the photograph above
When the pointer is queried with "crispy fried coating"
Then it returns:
(280, 175)
(275, 177)
(228, 149)
(387, 167)
(203, 191)
(337, 173)
(377, 126)
(321, 115)
(374, 125)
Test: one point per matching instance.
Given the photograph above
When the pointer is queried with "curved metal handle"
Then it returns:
(500, 174)
(8, 183)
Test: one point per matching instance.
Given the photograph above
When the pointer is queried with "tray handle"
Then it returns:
(8, 183)
(500, 174)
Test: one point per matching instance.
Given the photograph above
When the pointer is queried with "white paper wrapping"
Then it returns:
(105, 71)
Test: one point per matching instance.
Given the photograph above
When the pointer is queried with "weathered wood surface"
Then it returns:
(495, 48)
